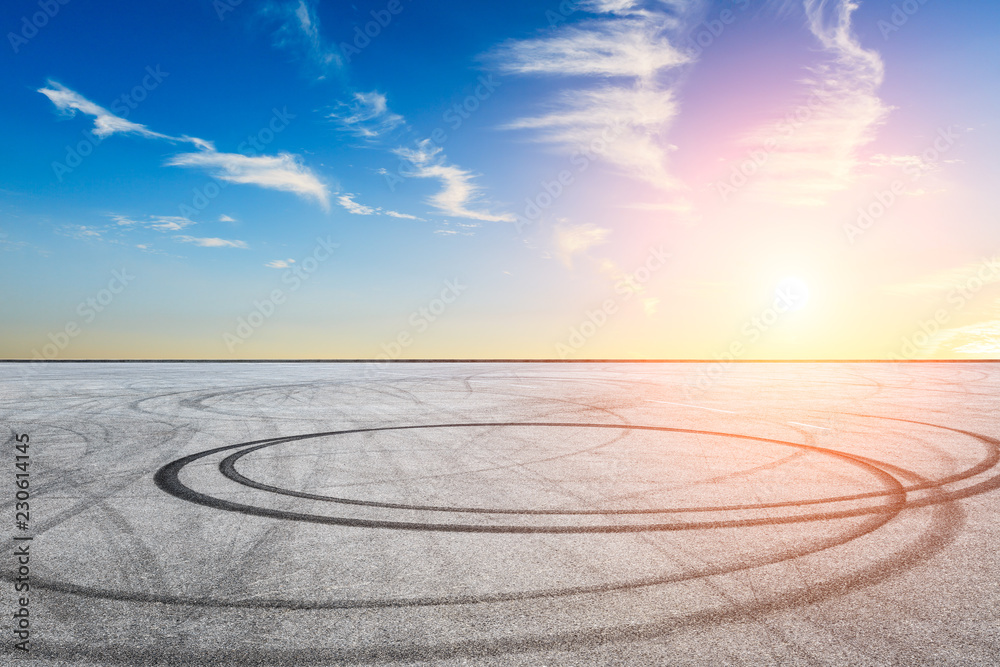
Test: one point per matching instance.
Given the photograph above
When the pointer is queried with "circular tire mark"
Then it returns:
(168, 480)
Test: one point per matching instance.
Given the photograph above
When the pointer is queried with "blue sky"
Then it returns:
(216, 151)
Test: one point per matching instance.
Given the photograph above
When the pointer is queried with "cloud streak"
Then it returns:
(573, 240)
(624, 47)
(161, 223)
(458, 194)
(212, 242)
(280, 172)
(623, 120)
(367, 116)
(299, 31)
(623, 126)
(69, 102)
(351, 206)
(820, 156)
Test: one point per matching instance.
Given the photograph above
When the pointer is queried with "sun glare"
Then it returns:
(794, 291)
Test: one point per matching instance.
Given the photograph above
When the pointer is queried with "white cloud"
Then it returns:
(624, 126)
(279, 172)
(981, 338)
(424, 153)
(623, 123)
(106, 123)
(609, 6)
(11, 246)
(226, 218)
(299, 31)
(368, 116)
(405, 216)
(80, 232)
(212, 242)
(915, 161)
(628, 47)
(280, 263)
(161, 223)
(978, 338)
(347, 201)
(573, 240)
(820, 155)
(983, 272)
(458, 192)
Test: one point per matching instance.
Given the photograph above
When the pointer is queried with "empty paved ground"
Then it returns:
(536, 514)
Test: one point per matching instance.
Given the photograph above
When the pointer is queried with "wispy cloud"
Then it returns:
(81, 232)
(842, 112)
(404, 216)
(70, 102)
(458, 193)
(455, 228)
(11, 246)
(161, 223)
(226, 218)
(628, 113)
(298, 30)
(627, 125)
(280, 263)
(279, 172)
(620, 47)
(609, 6)
(367, 116)
(212, 242)
(980, 338)
(984, 272)
(572, 240)
(348, 203)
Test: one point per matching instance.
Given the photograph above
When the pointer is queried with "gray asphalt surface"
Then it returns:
(535, 514)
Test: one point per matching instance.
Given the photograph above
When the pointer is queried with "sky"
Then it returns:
(589, 179)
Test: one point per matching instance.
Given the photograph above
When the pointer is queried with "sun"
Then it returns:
(794, 291)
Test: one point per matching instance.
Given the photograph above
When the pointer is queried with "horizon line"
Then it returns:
(497, 361)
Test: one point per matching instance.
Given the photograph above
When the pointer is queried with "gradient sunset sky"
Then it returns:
(520, 179)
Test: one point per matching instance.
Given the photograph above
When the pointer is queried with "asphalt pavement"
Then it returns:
(506, 513)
